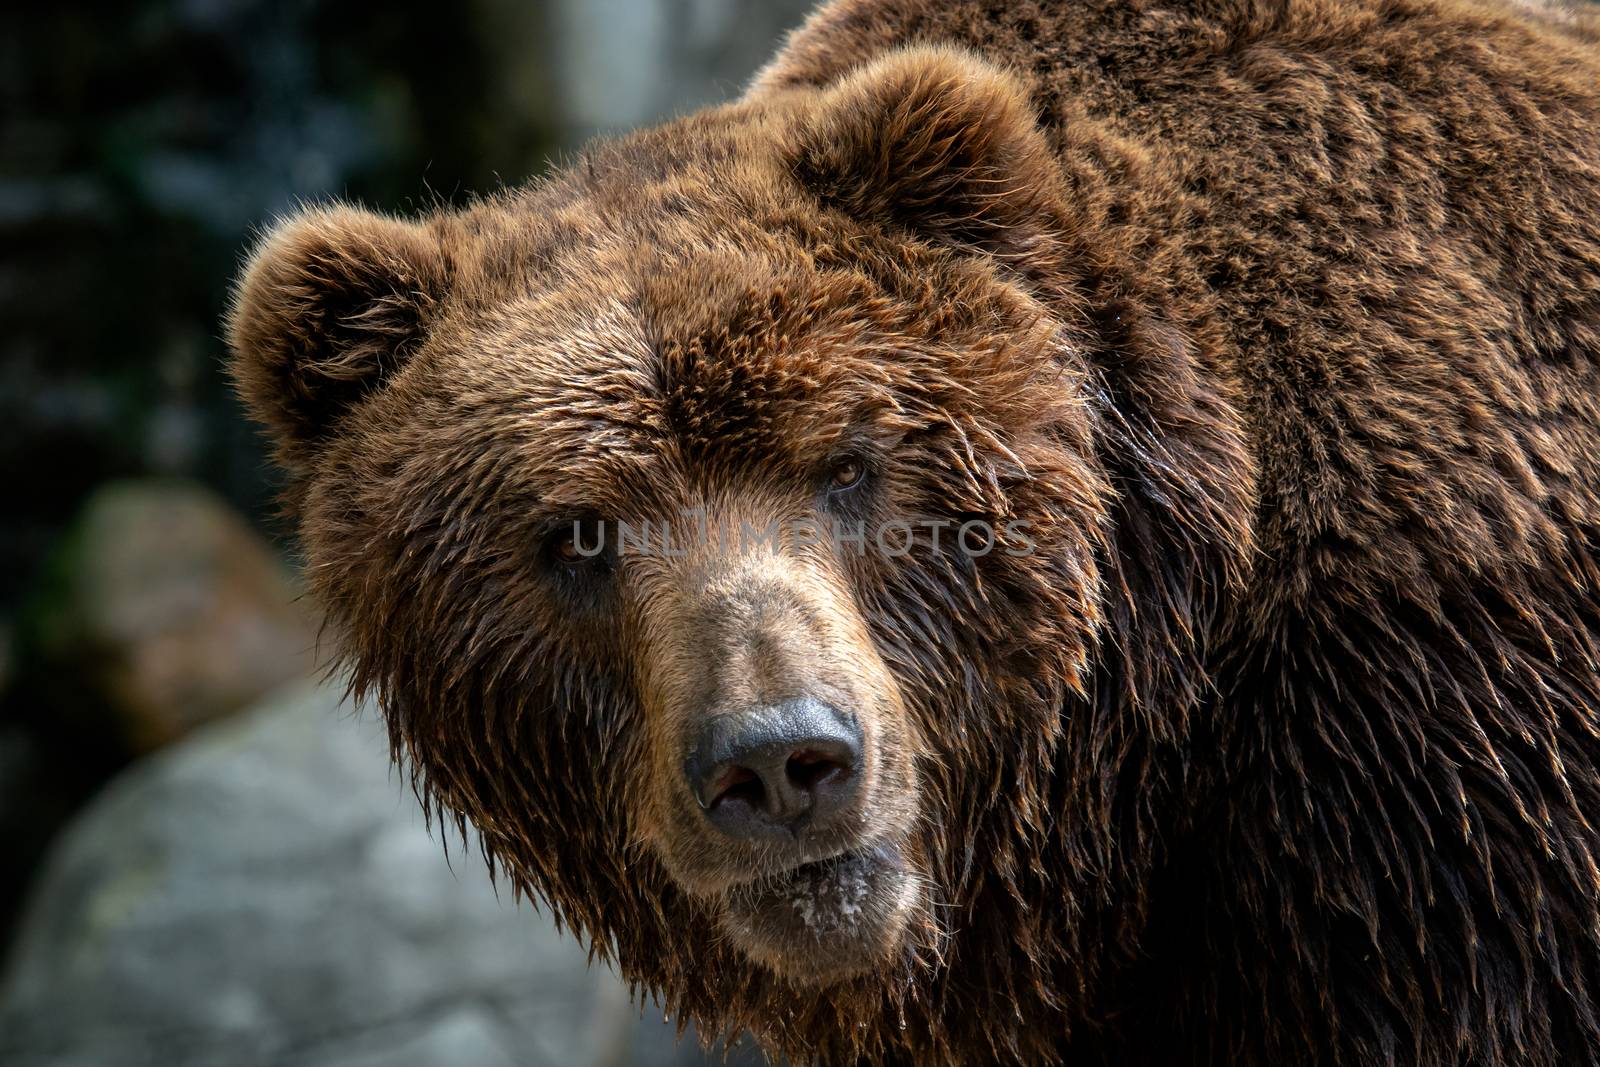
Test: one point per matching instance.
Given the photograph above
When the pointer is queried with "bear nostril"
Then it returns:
(810, 768)
(738, 784)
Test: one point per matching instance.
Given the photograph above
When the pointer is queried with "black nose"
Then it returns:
(769, 771)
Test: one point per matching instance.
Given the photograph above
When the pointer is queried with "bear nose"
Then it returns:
(769, 771)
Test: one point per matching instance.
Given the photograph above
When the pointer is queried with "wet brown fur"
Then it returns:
(1278, 320)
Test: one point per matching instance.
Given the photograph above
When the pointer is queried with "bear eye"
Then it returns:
(846, 474)
(576, 542)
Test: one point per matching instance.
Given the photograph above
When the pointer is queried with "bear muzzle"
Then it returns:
(793, 783)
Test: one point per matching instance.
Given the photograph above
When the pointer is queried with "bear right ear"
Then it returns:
(938, 141)
(331, 303)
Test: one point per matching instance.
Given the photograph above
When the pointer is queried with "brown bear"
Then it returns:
(1042, 533)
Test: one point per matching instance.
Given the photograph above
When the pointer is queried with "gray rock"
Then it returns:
(265, 893)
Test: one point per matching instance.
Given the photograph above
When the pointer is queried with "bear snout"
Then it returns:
(770, 773)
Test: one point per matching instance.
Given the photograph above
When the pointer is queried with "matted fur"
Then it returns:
(1280, 322)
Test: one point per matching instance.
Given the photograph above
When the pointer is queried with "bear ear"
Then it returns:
(937, 141)
(331, 303)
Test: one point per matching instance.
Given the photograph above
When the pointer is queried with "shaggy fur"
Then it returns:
(1279, 322)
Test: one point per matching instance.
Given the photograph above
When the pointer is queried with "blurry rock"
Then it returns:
(265, 892)
(171, 610)
(624, 63)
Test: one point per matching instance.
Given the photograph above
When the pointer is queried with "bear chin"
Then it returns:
(826, 921)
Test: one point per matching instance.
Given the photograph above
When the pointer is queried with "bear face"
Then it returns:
(712, 520)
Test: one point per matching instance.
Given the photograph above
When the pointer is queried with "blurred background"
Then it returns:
(207, 859)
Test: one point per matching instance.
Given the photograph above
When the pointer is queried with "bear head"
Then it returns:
(723, 524)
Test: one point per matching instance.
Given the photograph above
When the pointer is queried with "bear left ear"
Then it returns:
(940, 142)
(333, 302)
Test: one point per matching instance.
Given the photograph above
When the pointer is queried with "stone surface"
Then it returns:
(171, 610)
(265, 893)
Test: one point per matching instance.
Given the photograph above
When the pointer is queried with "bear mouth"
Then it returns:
(825, 920)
